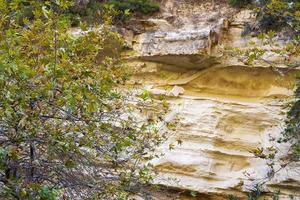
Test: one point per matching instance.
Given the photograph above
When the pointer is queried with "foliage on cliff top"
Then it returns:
(143, 6)
(122, 9)
(65, 129)
(119, 10)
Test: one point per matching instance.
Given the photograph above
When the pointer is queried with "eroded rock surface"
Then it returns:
(227, 109)
(183, 28)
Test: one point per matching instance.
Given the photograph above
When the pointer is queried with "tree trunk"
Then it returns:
(32, 158)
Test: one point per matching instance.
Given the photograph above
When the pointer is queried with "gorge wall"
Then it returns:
(227, 109)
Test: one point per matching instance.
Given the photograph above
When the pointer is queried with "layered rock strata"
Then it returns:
(227, 109)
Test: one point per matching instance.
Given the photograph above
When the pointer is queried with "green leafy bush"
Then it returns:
(291, 132)
(278, 14)
(273, 15)
(62, 130)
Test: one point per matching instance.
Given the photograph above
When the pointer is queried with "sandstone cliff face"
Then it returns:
(227, 109)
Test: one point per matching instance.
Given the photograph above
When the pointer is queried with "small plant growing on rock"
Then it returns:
(239, 3)
(232, 197)
(255, 193)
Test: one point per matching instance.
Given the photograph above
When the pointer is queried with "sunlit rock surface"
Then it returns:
(227, 109)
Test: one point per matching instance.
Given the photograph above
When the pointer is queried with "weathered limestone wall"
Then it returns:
(225, 112)
(227, 109)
